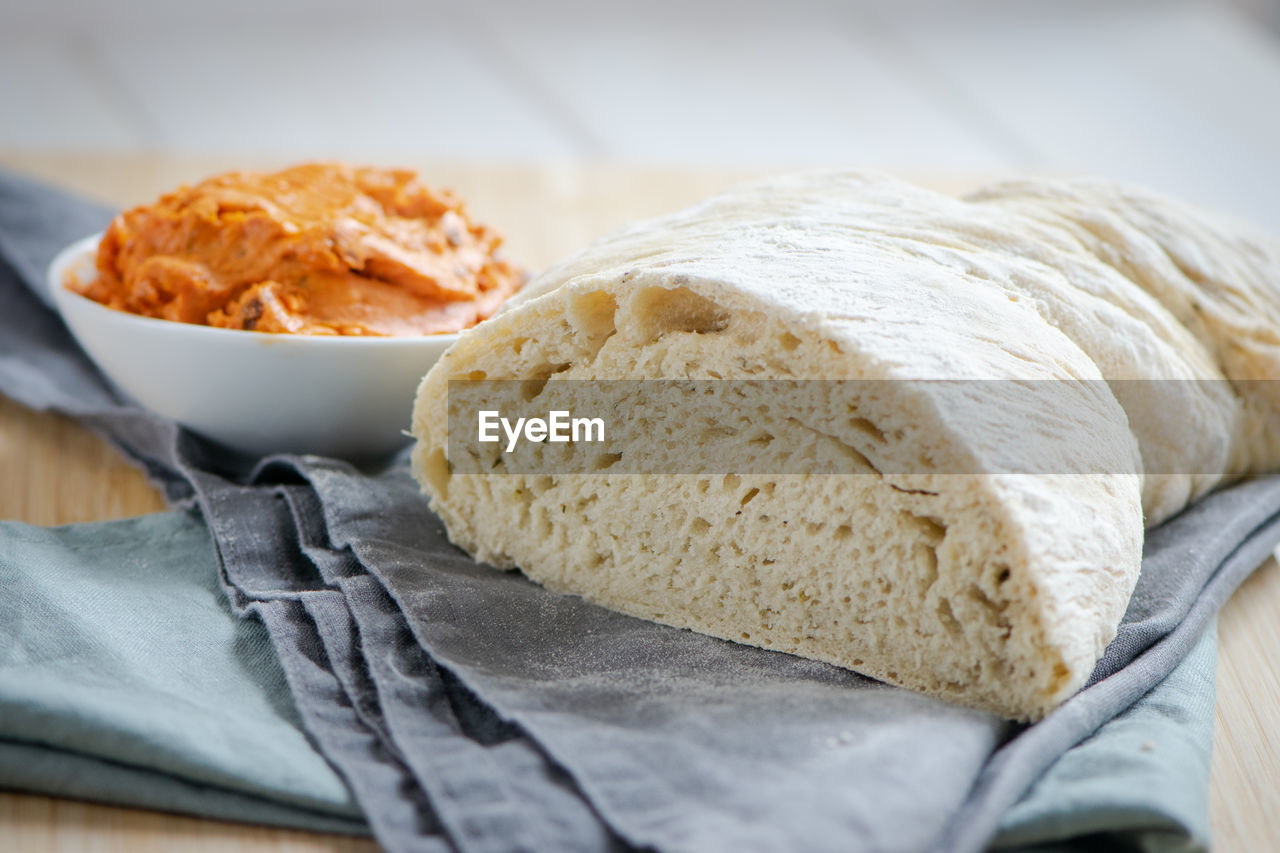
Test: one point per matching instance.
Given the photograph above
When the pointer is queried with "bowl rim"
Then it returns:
(57, 290)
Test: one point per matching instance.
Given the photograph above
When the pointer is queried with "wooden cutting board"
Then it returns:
(54, 472)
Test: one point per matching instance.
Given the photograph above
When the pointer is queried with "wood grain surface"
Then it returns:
(54, 472)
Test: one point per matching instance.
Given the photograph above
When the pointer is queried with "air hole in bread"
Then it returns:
(927, 560)
(591, 314)
(931, 529)
(607, 460)
(991, 612)
(948, 619)
(537, 380)
(659, 311)
(867, 428)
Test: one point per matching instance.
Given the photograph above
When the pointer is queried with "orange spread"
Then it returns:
(317, 249)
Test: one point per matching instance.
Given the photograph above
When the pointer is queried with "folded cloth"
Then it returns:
(125, 678)
(471, 709)
(188, 711)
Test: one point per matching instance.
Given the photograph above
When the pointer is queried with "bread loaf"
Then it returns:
(998, 588)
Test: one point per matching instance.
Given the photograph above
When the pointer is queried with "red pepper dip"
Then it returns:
(316, 249)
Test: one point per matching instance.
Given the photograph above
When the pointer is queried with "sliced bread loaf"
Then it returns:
(999, 589)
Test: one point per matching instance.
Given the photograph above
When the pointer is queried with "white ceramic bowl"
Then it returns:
(261, 393)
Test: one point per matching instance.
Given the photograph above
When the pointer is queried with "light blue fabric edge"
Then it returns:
(67, 757)
(38, 769)
(1144, 774)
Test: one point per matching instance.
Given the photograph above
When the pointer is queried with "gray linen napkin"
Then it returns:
(471, 709)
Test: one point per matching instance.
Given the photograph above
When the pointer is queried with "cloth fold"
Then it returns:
(124, 677)
(470, 709)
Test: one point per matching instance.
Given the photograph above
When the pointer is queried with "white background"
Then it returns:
(1182, 96)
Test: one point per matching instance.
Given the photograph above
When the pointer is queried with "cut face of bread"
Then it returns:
(998, 589)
